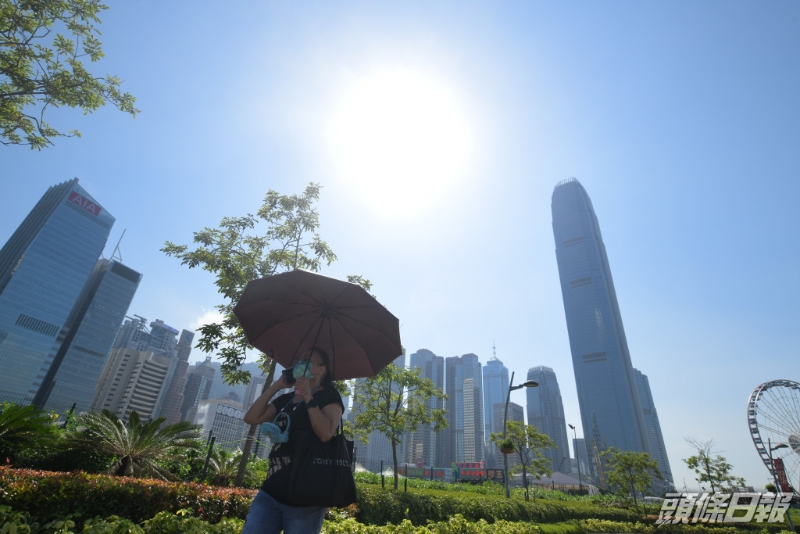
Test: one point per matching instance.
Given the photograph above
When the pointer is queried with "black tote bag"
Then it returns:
(322, 473)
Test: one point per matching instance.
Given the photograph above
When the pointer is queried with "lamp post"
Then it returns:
(775, 481)
(511, 387)
(577, 457)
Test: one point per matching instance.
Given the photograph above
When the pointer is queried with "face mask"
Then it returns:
(302, 369)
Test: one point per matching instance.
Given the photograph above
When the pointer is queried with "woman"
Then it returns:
(316, 406)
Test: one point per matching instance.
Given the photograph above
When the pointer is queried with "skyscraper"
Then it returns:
(198, 385)
(425, 445)
(74, 365)
(611, 413)
(138, 370)
(173, 397)
(464, 389)
(495, 390)
(657, 448)
(43, 269)
(546, 412)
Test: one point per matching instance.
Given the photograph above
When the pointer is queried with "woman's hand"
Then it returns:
(302, 388)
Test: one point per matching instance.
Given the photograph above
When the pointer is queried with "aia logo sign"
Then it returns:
(85, 203)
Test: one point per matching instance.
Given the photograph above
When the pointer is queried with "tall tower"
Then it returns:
(74, 365)
(657, 448)
(464, 388)
(138, 370)
(43, 269)
(425, 444)
(198, 386)
(546, 412)
(173, 397)
(495, 390)
(611, 413)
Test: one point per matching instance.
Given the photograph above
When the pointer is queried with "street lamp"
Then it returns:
(577, 457)
(511, 387)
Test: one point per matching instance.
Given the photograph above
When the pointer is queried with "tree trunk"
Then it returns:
(127, 466)
(525, 482)
(394, 460)
(248, 444)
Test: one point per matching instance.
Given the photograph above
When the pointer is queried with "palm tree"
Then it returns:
(22, 426)
(136, 446)
(224, 466)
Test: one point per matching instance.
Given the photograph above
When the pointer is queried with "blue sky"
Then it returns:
(680, 119)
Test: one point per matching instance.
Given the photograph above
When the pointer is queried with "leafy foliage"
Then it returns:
(630, 471)
(394, 402)
(528, 444)
(22, 427)
(711, 467)
(282, 236)
(136, 446)
(49, 496)
(41, 66)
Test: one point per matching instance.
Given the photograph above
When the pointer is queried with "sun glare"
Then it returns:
(400, 141)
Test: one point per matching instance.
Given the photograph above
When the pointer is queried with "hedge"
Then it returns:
(48, 496)
(378, 507)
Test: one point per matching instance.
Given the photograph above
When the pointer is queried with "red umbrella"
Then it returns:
(286, 314)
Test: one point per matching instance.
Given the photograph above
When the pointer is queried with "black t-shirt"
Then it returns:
(281, 453)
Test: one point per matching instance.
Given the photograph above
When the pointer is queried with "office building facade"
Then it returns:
(44, 267)
(495, 391)
(425, 446)
(173, 397)
(464, 389)
(139, 368)
(657, 448)
(77, 359)
(611, 413)
(198, 385)
(546, 412)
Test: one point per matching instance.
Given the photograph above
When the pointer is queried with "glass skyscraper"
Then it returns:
(546, 412)
(495, 390)
(464, 388)
(657, 448)
(89, 333)
(425, 445)
(43, 269)
(611, 413)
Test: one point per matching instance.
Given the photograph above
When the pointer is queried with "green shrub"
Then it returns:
(51, 496)
(379, 507)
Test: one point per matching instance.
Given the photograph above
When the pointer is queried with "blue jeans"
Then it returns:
(268, 516)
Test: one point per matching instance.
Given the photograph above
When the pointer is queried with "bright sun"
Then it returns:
(400, 140)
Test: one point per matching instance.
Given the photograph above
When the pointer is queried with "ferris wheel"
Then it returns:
(773, 414)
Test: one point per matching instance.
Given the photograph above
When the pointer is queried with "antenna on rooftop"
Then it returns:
(494, 350)
(116, 249)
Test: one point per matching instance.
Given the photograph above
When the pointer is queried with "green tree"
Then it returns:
(711, 467)
(23, 427)
(281, 236)
(136, 446)
(223, 466)
(394, 402)
(43, 44)
(528, 444)
(630, 471)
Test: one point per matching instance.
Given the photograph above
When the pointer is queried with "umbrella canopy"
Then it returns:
(286, 314)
